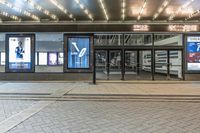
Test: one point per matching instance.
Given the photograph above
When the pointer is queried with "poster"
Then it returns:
(78, 52)
(193, 53)
(19, 53)
(52, 59)
(3, 58)
(42, 58)
(60, 58)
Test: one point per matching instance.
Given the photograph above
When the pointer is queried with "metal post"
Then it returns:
(123, 59)
(94, 68)
(153, 58)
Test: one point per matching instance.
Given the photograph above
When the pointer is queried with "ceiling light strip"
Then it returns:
(123, 9)
(3, 13)
(183, 7)
(63, 9)
(161, 8)
(193, 14)
(26, 13)
(85, 10)
(40, 8)
(142, 9)
(104, 9)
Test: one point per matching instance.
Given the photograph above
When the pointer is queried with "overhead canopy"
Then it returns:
(99, 11)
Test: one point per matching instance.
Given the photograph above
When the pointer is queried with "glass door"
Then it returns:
(101, 65)
(138, 65)
(115, 65)
(168, 65)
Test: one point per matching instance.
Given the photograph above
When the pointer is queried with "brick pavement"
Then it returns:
(114, 117)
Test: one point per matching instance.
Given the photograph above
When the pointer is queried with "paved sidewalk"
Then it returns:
(149, 88)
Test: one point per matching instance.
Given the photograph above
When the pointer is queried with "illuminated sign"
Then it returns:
(78, 52)
(19, 53)
(193, 53)
(140, 28)
(183, 28)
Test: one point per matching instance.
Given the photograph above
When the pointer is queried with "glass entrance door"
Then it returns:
(138, 65)
(168, 65)
(115, 65)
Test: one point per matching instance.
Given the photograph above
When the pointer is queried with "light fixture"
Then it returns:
(193, 14)
(3, 13)
(123, 9)
(26, 13)
(183, 7)
(63, 9)
(104, 9)
(142, 9)
(161, 8)
(85, 10)
(40, 8)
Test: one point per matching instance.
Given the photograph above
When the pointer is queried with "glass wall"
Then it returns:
(138, 40)
(108, 39)
(49, 50)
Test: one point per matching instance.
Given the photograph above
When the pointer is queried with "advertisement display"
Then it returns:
(60, 58)
(78, 50)
(19, 53)
(193, 53)
(52, 58)
(3, 58)
(42, 58)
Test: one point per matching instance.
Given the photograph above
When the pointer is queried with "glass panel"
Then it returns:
(130, 65)
(168, 40)
(160, 65)
(108, 40)
(144, 71)
(137, 39)
(101, 62)
(115, 65)
(175, 64)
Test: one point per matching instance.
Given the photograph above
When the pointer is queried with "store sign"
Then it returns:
(193, 53)
(78, 52)
(140, 28)
(183, 28)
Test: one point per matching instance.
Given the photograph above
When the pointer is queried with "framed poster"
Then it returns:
(43, 58)
(193, 53)
(3, 58)
(78, 52)
(60, 58)
(52, 58)
(20, 53)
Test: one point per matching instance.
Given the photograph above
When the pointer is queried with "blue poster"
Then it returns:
(193, 53)
(78, 52)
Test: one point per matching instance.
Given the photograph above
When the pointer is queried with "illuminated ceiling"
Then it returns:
(99, 11)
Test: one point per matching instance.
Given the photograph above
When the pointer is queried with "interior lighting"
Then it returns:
(161, 8)
(104, 9)
(26, 13)
(123, 9)
(62, 8)
(193, 14)
(85, 10)
(180, 9)
(10, 16)
(142, 9)
(41, 9)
